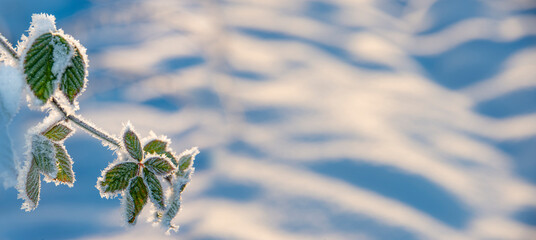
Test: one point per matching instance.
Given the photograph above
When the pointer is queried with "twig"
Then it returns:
(85, 126)
(8, 48)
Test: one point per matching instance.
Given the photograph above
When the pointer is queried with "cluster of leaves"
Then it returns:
(139, 176)
(50, 158)
(54, 67)
(50, 60)
(43, 77)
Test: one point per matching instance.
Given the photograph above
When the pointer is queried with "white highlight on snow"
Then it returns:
(11, 85)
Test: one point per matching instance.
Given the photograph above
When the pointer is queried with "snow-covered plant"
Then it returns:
(50, 67)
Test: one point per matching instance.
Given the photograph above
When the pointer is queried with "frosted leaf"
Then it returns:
(39, 66)
(136, 197)
(58, 132)
(61, 55)
(132, 143)
(64, 163)
(73, 78)
(174, 200)
(41, 24)
(155, 189)
(49, 57)
(156, 146)
(29, 184)
(186, 159)
(160, 166)
(32, 187)
(160, 146)
(44, 155)
(178, 184)
(115, 178)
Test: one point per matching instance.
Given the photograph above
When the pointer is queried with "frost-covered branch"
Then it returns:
(53, 66)
(84, 125)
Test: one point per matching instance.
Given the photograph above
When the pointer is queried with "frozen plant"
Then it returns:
(50, 67)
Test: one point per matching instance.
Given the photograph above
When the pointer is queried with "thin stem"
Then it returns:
(8, 48)
(85, 126)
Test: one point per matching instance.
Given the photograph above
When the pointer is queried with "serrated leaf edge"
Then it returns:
(150, 156)
(28, 204)
(70, 160)
(109, 195)
(153, 201)
(129, 128)
(125, 197)
(65, 124)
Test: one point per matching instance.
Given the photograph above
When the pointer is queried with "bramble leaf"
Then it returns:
(159, 147)
(136, 199)
(33, 185)
(160, 166)
(65, 166)
(117, 178)
(58, 132)
(39, 64)
(155, 146)
(185, 162)
(74, 77)
(43, 153)
(133, 145)
(155, 189)
(186, 159)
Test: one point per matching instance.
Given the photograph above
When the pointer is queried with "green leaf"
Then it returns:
(155, 189)
(38, 64)
(186, 158)
(33, 185)
(58, 132)
(160, 166)
(133, 145)
(117, 178)
(65, 165)
(155, 146)
(185, 162)
(172, 158)
(43, 153)
(136, 199)
(159, 147)
(74, 77)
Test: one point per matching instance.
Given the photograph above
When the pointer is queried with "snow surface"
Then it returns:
(315, 119)
(11, 83)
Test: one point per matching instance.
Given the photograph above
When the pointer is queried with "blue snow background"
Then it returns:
(343, 119)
